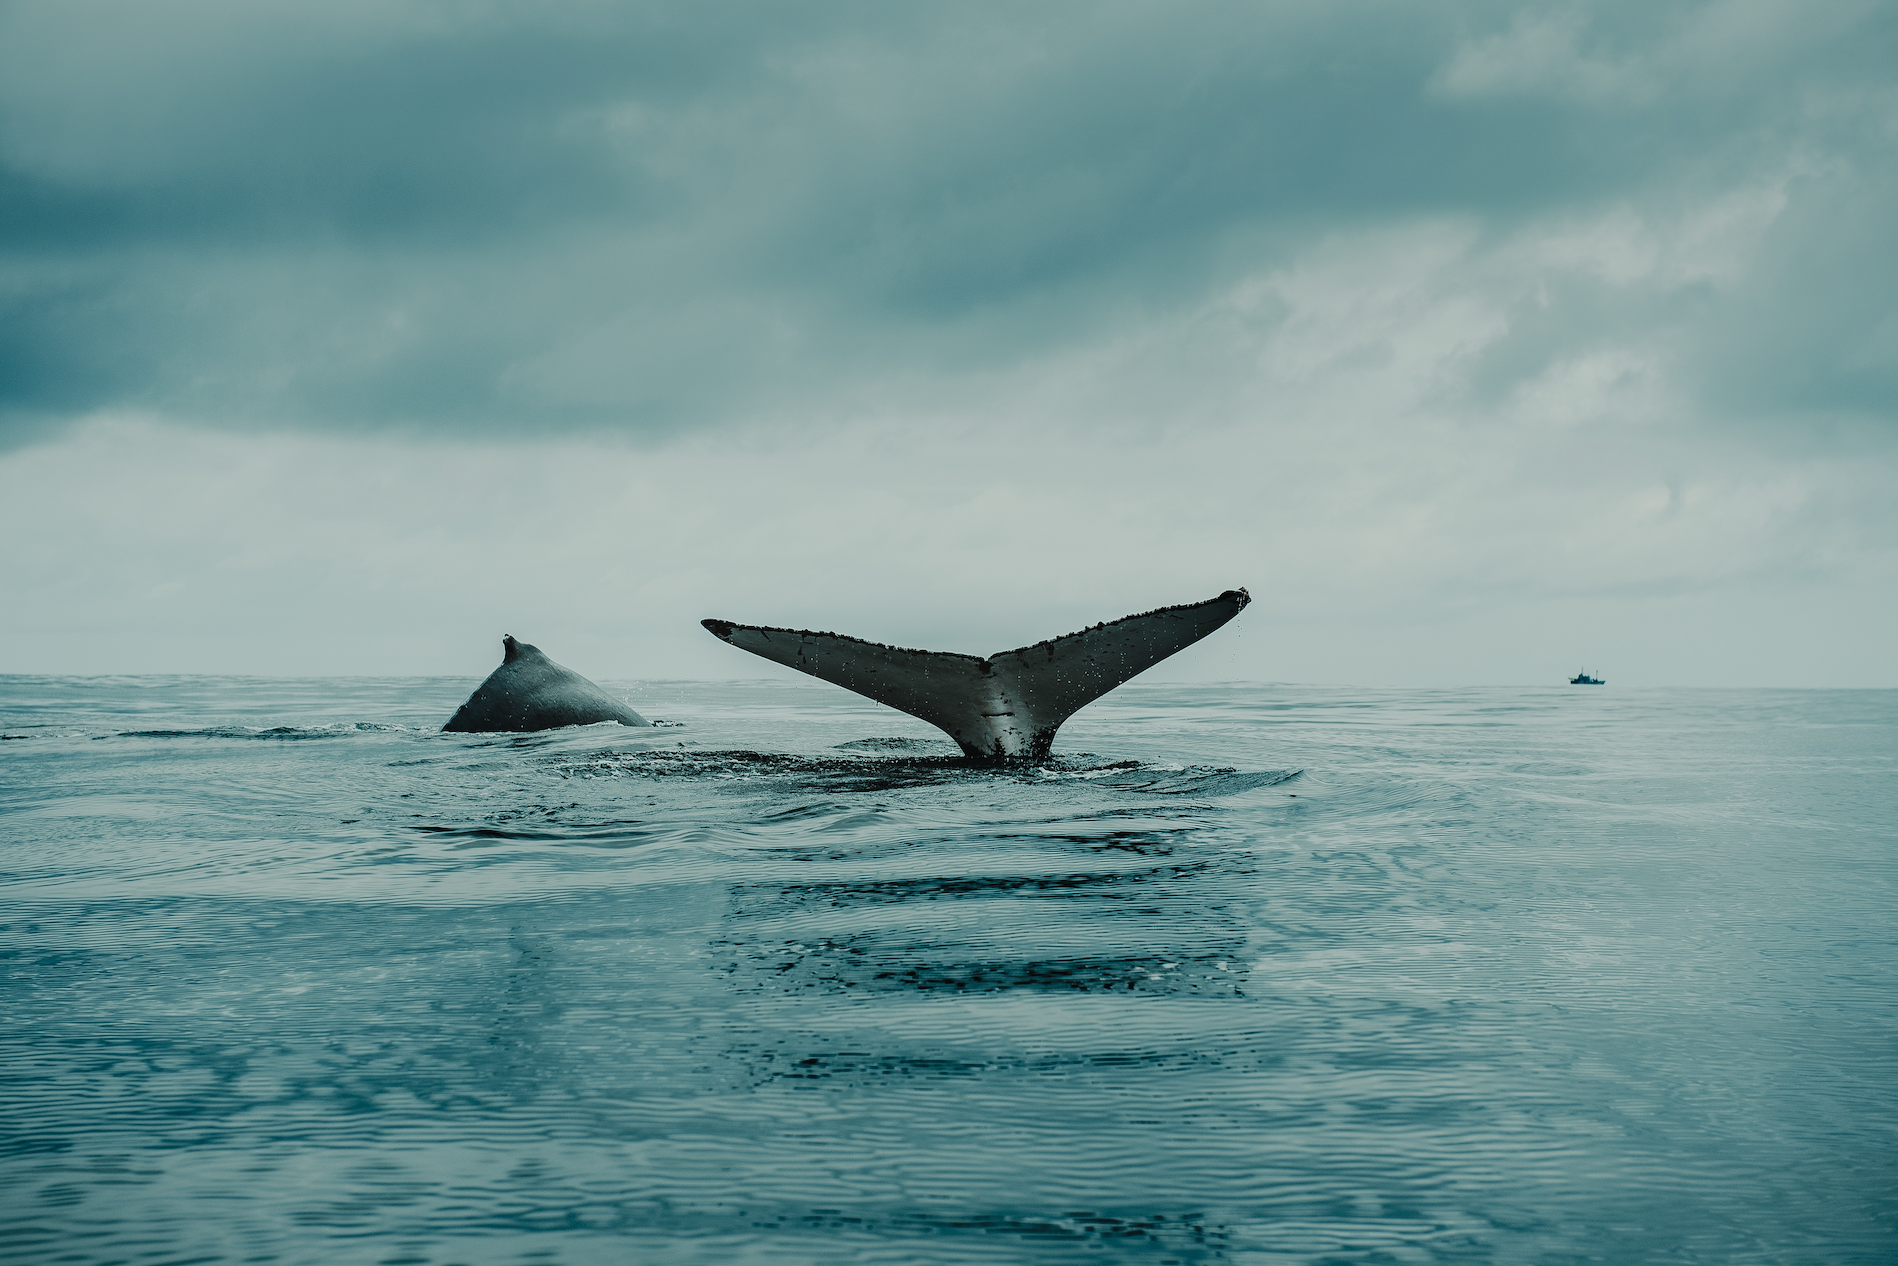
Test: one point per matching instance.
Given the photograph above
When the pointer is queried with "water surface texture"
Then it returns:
(1244, 974)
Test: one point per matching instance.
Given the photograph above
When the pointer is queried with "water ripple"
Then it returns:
(1241, 975)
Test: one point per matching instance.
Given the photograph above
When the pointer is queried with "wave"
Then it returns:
(896, 745)
(858, 774)
(276, 733)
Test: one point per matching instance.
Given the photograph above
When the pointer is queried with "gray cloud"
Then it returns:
(642, 219)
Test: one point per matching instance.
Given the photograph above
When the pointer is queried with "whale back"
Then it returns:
(1006, 706)
(529, 691)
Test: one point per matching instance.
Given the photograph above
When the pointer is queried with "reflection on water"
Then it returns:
(1248, 974)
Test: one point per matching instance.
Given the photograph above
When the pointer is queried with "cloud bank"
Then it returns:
(473, 220)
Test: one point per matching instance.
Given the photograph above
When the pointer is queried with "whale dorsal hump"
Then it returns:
(1006, 706)
(531, 692)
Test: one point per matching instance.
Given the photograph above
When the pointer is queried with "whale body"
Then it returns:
(1005, 707)
(531, 692)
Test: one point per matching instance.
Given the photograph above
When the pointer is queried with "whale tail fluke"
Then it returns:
(1008, 706)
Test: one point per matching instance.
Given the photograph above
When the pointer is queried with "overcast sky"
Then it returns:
(1482, 341)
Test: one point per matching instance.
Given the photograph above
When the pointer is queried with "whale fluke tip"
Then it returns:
(721, 629)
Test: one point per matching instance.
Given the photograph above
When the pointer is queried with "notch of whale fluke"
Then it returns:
(531, 692)
(1005, 707)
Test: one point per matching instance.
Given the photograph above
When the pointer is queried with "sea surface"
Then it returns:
(1245, 973)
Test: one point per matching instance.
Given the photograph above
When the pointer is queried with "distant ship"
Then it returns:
(1583, 679)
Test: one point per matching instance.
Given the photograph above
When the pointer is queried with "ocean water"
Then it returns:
(1258, 974)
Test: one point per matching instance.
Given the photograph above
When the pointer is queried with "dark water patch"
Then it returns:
(897, 745)
(1197, 780)
(873, 963)
(1551, 769)
(871, 1066)
(680, 763)
(1108, 885)
(997, 1235)
(1184, 1238)
(783, 773)
(624, 831)
(815, 811)
(1144, 842)
(870, 774)
(896, 774)
(278, 733)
